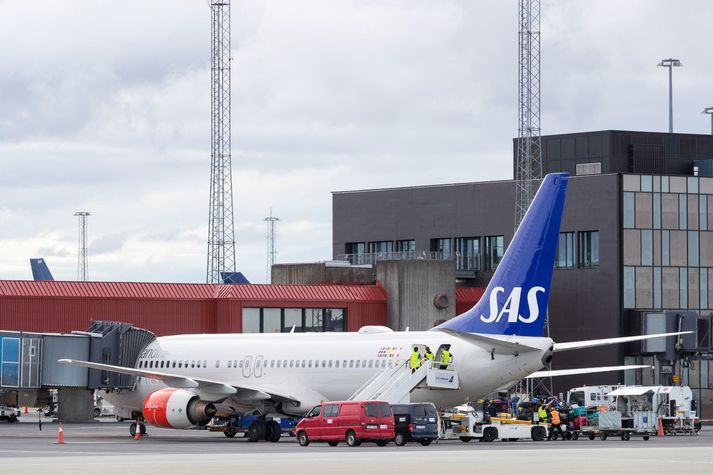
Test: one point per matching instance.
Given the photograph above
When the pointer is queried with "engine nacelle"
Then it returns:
(177, 408)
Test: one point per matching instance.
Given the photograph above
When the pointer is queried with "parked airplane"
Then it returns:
(185, 380)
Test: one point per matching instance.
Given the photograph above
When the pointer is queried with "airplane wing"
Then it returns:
(569, 372)
(575, 345)
(216, 389)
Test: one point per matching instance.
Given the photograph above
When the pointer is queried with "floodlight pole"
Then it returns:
(709, 111)
(670, 63)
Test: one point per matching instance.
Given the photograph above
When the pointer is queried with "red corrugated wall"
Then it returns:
(170, 309)
(467, 297)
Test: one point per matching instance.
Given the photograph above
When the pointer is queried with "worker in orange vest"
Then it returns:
(555, 423)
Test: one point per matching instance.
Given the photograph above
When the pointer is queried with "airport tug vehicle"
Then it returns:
(472, 423)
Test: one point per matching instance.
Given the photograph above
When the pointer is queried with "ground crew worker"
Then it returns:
(542, 413)
(555, 423)
(445, 356)
(415, 361)
(429, 354)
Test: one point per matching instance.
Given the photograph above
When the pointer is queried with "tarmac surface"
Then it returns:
(107, 448)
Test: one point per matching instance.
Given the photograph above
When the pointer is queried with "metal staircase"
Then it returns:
(396, 384)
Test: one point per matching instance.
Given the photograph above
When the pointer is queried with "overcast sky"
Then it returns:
(105, 107)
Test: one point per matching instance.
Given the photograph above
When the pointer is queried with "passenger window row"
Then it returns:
(238, 364)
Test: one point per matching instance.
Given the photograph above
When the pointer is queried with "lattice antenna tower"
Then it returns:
(528, 171)
(271, 244)
(82, 261)
(221, 224)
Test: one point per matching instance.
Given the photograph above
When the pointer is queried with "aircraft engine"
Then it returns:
(177, 408)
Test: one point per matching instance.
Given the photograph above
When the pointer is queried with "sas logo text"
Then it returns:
(511, 307)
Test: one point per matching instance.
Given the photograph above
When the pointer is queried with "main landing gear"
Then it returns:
(264, 430)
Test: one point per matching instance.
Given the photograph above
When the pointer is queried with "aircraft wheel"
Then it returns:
(257, 431)
(302, 439)
(333, 443)
(273, 432)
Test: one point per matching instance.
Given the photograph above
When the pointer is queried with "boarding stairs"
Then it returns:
(396, 384)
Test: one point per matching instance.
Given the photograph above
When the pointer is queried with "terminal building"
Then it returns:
(635, 252)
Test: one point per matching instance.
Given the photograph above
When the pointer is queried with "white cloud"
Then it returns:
(106, 108)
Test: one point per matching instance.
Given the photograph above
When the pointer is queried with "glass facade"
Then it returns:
(276, 320)
(588, 248)
(406, 245)
(667, 244)
(564, 258)
(380, 246)
(441, 245)
(467, 253)
(494, 250)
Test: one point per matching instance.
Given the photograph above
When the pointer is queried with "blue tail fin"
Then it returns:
(515, 302)
(40, 271)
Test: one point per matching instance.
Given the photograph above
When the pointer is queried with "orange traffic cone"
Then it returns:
(137, 433)
(660, 432)
(60, 435)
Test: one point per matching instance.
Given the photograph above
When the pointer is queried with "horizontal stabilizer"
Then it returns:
(575, 345)
(569, 372)
(493, 344)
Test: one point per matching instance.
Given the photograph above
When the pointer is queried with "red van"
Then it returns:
(351, 421)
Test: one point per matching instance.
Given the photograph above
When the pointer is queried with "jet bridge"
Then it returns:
(29, 366)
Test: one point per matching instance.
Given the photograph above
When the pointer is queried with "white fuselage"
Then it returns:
(312, 367)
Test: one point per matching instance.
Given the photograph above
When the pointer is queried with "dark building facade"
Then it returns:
(635, 252)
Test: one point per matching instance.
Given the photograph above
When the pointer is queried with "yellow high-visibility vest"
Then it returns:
(445, 356)
(415, 360)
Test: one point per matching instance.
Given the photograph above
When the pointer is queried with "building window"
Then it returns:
(703, 285)
(589, 249)
(564, 258)
(251, 320)
(664, 184)
(380, 246)
(693, 248)
(334, 320)
(683, 287)
(665, 253)
(628, 209)
(275, 320)
(494, 250)
(406, 245)
(467, 253)
(647, 247)
(629, 287)
(442, 245)
(703, 212)
(657, 287)
(646, 183)
(355, 252)
(657, 210)
(682, 212)
(292, 319)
